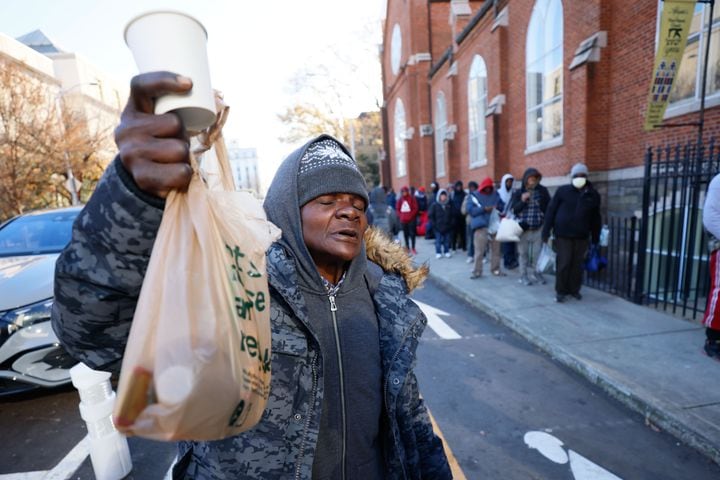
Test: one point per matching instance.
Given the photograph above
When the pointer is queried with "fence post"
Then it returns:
(642, 242)
(631, 256)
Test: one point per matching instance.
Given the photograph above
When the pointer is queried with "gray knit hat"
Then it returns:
(326, 167)
(579, 169)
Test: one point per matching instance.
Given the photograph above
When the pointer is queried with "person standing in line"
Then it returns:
(573, 217)
(380, 215)
(472, 188)
(390, 197)
(407, 209)
(432, 198)
(422, 218)
(457, 241)
(529, 203)
(508, 249)
(711, 221)
(442, 217)
(480, 207)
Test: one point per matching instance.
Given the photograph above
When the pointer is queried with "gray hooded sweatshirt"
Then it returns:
(351, 376)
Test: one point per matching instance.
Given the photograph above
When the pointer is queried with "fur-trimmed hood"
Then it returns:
(393, 258)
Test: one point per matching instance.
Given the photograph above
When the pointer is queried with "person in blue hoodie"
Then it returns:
(480, 206)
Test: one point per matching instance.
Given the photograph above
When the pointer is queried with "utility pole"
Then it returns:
(71, 183)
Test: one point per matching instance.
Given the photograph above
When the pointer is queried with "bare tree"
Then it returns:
(35, 151)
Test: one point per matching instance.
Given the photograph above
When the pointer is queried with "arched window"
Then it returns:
(544, 69)
(399, 133)
(440, 128)
(477, 106)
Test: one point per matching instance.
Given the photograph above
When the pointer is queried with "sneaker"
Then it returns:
(539, 278)
(448, 255)
(559, 298)
(712, 349)
(414, 252)
(475, 276)
(469, 260)
(438, 255)
(576, 296)
(499, 273)
(525, 280)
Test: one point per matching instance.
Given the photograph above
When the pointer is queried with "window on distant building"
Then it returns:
(440, 128)
(688, 83)
(399, 137)
(544, 69)
(477, 106)
(395, 49)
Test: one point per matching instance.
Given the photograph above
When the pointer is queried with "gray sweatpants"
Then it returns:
(529, 248)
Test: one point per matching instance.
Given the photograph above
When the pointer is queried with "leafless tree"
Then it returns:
(36, 149)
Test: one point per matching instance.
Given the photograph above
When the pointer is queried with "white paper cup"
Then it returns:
(175, 42)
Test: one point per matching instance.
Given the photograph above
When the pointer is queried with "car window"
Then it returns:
(34, 234)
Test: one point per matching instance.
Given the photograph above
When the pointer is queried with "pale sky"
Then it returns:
(255, 49)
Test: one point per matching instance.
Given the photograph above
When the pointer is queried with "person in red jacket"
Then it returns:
(407, 210)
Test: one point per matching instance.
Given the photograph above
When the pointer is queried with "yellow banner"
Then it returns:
(672, 38)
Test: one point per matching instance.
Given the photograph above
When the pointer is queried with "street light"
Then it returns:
(71, 185)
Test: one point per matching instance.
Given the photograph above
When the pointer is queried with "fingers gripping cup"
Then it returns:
(175, 42)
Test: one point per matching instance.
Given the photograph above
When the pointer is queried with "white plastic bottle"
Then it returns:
(109, 450)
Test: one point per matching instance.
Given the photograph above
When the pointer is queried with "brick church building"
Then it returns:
(483, 88)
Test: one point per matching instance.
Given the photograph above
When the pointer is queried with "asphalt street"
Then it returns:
(509, 412)
(505, 409)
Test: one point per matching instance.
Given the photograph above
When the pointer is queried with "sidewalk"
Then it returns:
(647, 359)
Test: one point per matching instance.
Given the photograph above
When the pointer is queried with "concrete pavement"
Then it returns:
(649, 360)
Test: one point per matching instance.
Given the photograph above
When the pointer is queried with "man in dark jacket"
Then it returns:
(442, 216)
(528, 204)
(432, 198)
(457, 240)
(573, 216)
(347, 409)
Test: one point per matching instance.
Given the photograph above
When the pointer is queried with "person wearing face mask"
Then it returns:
(573, 216)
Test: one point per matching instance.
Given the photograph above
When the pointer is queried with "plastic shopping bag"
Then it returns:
(509, 230)
(494, 222)
(546, 259)
(197, 361)
(595, 261)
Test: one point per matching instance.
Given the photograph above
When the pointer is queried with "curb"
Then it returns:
(654, 413)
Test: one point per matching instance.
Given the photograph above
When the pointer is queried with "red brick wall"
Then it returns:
(604, 103)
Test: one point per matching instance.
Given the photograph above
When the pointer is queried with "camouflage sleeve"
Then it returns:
(433, 461)
(99, 274)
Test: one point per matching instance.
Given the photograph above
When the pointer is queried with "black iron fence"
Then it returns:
(661, 259)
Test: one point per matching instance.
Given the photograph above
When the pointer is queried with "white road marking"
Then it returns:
(168, 474)
(553, 449)
(441, 328)
(71, 462)
(62, 470)
(24, 476)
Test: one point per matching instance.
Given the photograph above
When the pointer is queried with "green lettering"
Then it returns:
(260, 302)
(251, 345)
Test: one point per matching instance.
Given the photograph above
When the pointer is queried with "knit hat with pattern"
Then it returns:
(327, 167)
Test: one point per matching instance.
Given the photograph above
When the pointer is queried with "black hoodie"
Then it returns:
(355, 345)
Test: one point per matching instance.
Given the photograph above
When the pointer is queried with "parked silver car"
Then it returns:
(30, 355)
